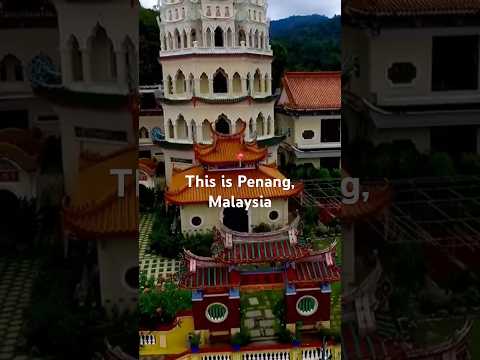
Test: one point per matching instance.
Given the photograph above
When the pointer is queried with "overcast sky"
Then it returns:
(278, 9)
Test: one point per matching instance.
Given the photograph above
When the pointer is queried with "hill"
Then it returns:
(299, 43)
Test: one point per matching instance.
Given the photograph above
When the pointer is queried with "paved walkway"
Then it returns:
(153, 265)
(259, 319)
(16, 277)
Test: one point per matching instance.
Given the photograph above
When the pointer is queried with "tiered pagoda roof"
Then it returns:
(95, 209)
(226, 151)
(234, 248)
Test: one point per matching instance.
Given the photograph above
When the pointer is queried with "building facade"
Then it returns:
(216, 62)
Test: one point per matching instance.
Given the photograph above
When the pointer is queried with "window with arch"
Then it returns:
(257, 39)
(185, 39)
(262, 39)
(229, 37)
(209, 11)
(170, 17)
(176, 14)
(266, 86)
(208, 37)
(223, 125)
(260, 125)
(217, 12)
(191, 84)
(307, 305)
(227, 12)
(171, 132)
(204, 88)
(164, 43)
(193, 37)
(169, 88)
(216, 313)
(206, 131)
(237, 83)
(219, 40)
(102, 56)
(178, 39)
(170, 41)
(76, 65)
(269, 126)
(220, 82)
(254, 14)
(143, 133)
(250, 38)
(241, 37)
(183, 13)
(257, 82)
(182, 128)
(238, 125)
(250, 127)
(193, 130)
(248, 87)
(180, 83)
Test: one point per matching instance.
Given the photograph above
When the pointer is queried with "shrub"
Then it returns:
(241, 338)
(441, 164)
(284, 335)
(262, 228)
(323, 173)
(336, 173)
(199, 243)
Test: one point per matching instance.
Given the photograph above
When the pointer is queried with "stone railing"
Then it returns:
(216, 51)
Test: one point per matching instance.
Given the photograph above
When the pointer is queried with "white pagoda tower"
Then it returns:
(216, 61)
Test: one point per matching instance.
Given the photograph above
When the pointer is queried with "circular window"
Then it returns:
(402, 73)
(308, 134)
(274, 215)
(307, 305)
(196, 221)
(216, 312)
(132, 277)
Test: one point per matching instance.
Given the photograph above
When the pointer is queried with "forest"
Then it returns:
(299, 43)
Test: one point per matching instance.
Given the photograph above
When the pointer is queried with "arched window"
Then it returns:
(257, 79)
(193, 37)
(220, 82)
(237, 83)
(171, 132)
(223, 125)
(76, 59)
(260, 125)
(217, 12)
(204, 88)
(267, 84)
(191, 84)
(227, 12)
(170, 41)
(254, 14)
(269, 126)
(178, 39)
(185, 40)
(250, 38)
(170, 17)
(248, 84)
(209, 11)
(238, 125)
(250, 127)
(229, 37)
(102, 56)
(169, 85)
(183, 13)
(143, 133)
(241, 37)
(206, 131)
(193, 130)
(176, 14)
(164, 43)
(208, 37)
(219, 37)
(262, 41)
(182, 128)
(256, 39)
(180, 83)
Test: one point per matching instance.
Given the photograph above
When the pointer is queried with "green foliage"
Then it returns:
(194, 339)
(298, 330)
(441, 164)
(241, 338)
(200, 243)
(163, 304)
(336, 173)
(262, 228)
(470, 164)
(150, 69)
(284, 336)
(146, 198)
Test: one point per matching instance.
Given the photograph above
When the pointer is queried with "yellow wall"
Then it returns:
(174, 341)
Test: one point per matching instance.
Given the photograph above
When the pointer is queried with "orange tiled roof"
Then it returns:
(313, 90)
(414, 7)
(95, 209)
(225, 149)
(180, 193)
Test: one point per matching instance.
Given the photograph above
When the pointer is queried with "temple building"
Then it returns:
(281, 262)
(229, 157)
(216, 62)
(308, 115)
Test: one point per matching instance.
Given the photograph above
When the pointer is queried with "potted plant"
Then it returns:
(194, 340)
(237, 341)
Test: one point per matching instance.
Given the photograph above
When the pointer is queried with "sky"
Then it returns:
(278, 9)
